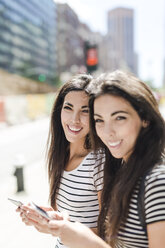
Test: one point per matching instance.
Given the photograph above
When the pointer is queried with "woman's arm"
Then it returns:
(95, 230)
(99, 198)
(156, 234)
(32, 218)
(155, 207)
(76, 235)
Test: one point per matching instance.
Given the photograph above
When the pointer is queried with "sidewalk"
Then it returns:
(14, 233)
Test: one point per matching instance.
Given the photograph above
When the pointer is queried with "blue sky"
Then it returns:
(149, 29)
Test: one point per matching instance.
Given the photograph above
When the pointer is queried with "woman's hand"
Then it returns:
(32, 218)
(75, 235)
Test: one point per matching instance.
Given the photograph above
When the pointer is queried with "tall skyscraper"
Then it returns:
(27, 38)
(121, 39)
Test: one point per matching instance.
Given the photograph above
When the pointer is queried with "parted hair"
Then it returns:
(120, 179)
(58, 148)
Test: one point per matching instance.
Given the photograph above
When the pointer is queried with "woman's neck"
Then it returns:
(78, 150)
(77, 154)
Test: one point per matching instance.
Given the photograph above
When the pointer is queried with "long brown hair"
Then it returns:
(58, 149)
(119, 181)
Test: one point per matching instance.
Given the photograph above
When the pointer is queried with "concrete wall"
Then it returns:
(22, 108)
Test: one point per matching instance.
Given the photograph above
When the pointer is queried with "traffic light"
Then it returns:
(91, 56)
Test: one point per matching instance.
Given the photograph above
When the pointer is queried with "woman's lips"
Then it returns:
(74, 129)
(114, 144)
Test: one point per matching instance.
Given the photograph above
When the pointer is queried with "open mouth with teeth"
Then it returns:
(114, 144)
(74, 130)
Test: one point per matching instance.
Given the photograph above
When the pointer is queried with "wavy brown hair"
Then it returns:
(58, 148)
(119, 181)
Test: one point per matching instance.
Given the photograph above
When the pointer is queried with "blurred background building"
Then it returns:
(70, 53)
(28, 38)
(121, 40)
(72, 35)
(44, 40)
(43, 43)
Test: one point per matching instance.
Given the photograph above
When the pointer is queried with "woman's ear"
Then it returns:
(145, 123)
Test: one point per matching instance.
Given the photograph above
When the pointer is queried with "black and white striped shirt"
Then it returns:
(77, 193)
(131, 234)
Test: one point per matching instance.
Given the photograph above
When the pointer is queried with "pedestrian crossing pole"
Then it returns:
(19, 172)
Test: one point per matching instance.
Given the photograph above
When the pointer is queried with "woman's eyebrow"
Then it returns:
(118, 112)
(67, 103)
(98, 115)
(114, 113)
(71, 105)
(85, 106)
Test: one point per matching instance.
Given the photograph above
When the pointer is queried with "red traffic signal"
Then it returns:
(91, 56)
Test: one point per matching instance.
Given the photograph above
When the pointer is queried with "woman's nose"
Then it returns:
(76, 118)
(109, 130)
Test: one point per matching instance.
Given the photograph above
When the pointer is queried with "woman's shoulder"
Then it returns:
(98, 154)
(155, 195)
(158, 169)
(156, 174)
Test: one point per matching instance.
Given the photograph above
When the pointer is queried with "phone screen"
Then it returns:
(40, 211)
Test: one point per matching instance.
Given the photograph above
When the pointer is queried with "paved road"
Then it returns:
(29, 139)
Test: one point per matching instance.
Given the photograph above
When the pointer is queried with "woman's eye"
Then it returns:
(98, 120)
(118, 118)
(85, 111)
(67, 107)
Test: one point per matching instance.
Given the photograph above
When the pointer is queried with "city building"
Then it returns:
(28, 38)
(121, 40)
(72, 36)
(70, 53)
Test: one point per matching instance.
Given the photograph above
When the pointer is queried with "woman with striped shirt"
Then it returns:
(75, 171)
(126, 122)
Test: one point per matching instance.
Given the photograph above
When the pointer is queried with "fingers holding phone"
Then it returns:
(23, 213)
(27, 214)
(30, 216)
(34, 215)
(37, 217)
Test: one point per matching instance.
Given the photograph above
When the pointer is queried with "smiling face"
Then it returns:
(75, 116)
(117, 124)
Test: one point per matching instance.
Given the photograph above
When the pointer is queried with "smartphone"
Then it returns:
(17, 203)
(40, 210)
